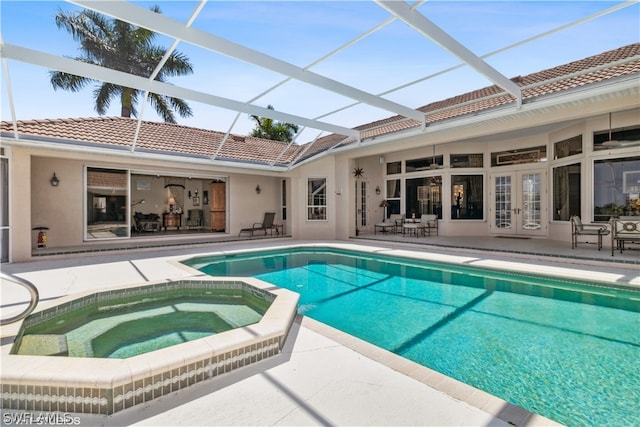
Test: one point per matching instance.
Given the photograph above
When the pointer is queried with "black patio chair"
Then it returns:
(266, 224)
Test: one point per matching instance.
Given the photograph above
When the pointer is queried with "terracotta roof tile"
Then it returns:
(489, 97)
(171, 138)
(153, 136)
(321, 144)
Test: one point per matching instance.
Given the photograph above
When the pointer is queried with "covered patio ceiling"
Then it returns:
(401, 44)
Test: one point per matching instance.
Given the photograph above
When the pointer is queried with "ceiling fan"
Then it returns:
(632, 135)
(611, 143)
(434, 164)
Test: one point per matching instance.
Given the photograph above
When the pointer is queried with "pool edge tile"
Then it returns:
(458, 390)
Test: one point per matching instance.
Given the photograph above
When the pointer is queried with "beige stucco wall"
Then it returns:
(421, 146)
(59, 208)
(372, 176)
(246, 206)
(155, 199)
(341, 188)
(35, 202)
(20, 192)
(301, 228)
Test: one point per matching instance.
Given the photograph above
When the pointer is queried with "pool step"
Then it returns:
(44, 345)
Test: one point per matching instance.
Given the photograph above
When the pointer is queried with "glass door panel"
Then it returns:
(518, 203)
(503, 195)
(107, 203)
(531, 215)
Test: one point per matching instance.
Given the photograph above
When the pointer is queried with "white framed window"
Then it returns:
(467, 196)
(616, 187)
(316, 199)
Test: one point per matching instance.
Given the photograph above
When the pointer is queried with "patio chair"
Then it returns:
(393, 222)
(428, 223)
(383, 227)
(397, 220)
(146, 222)
(266, 224)
(194, 218)
(409, 228)
(579, 229)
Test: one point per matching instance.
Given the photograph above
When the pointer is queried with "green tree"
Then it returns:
(117, 45)
(267, 128)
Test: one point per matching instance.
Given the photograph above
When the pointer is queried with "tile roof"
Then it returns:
(589, 70)
(158, 137)
(183, 140)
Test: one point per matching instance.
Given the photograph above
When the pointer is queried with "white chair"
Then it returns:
(383, 226)
(397, 219)
(579, 229)
(394, 221)
(428, 223)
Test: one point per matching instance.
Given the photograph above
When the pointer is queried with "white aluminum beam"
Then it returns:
(161, 24)
(156, 71)
(120, 78)
(591, 17)
(424, 26)
(12, 108)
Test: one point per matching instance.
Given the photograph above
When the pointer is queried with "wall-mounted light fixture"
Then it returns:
(258, 189)
(196, 199)
(378, 191)
(381, 160)
(54, 180)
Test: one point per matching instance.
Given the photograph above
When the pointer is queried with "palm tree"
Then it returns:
(267, 128)
(117, 45)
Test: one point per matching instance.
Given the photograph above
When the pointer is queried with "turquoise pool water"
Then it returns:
(568, 351)
(130, 326)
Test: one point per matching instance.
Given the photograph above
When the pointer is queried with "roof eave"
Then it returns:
(44, 143)
(625, 85)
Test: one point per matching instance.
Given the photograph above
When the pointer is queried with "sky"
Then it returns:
(301, 33)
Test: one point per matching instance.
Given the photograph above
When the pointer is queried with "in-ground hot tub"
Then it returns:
(126, 324)
(107, 385)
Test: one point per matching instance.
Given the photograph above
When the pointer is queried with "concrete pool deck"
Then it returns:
(322, 377)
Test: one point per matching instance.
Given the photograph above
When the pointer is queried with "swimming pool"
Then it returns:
(566, 350)
(127, 326)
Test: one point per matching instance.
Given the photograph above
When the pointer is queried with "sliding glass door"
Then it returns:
(107, 202)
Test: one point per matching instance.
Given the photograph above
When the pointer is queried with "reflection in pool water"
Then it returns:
(569, 351)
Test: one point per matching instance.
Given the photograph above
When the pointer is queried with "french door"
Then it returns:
(519, 203)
